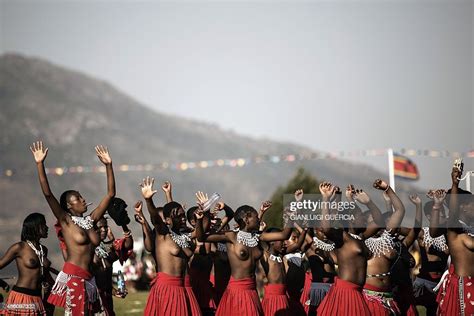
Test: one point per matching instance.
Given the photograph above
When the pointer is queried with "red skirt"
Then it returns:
(202, 288)
(304, 299)
(22, 301)
(240, 299)
(75, 290)
(344, 298)
(276, 300)
(168, 296)
(380, 302)
(449, 299)
(195, 310)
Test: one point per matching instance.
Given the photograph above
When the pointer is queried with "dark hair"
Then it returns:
(31, 227)
(272, 230)
(428, 207)
(64, 197)
(241, 213)
(463, 198)
(169, 207)
(190, 213)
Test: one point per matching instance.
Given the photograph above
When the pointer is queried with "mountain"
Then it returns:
(72, 112)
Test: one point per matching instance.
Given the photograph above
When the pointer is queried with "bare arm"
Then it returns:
(10, 255)
(453, 199)
(362, 197)
(148, 192)
(399, 209)
(104, 157)
(40, 153)
(415, 231)
(263, 208)
(297, 246)
(166, 187)
(203, 237)
(275, 236)
(438, 199)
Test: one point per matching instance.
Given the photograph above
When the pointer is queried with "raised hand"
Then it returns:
(379, 184)
(218, 207)
(415, 199)
(430, 194)
(139, 213)
(263, 225)
(456, 174)
(265, 206)
(327, 190)
(199, 214)
(362, 197)
(147, 187)
(299, 195)
(110, 235)
(103, 154)
(439, 197)
(166, 187)
(350, 191)
(201, 197)
(39, 151)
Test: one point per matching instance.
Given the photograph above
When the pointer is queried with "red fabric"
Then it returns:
(59, 233)
(168, 296)
(344, 298)
(122, 253)
(76, 287)
(28, 305)
(240, 299)
(306, 289)
(195, 310)
(202, 289)
(448, 295)
(377, 308)
(276, 300)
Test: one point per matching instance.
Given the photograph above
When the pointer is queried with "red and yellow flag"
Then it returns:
(404, 167)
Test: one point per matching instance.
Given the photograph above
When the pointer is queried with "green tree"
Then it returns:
(302, 180)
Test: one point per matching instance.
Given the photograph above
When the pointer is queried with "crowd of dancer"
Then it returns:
(205, 267)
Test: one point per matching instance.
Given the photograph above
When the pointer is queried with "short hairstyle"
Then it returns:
(31, 227)
(64, 197)
(241, 213)
(169, 207)
(190, 213)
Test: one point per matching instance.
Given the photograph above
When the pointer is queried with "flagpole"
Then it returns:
(391, 172)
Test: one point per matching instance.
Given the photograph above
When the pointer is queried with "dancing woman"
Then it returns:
(75, 289)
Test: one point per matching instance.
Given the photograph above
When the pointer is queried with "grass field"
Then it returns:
(133, 304)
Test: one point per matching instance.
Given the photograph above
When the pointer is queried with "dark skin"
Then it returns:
(242, 259)
(80, 242)
(27, 262)
(103, 274)
(320, 261)
(169, 257)
(275, 270)
(351, 253)
(383, 263)
(146, 229)
(461, 245)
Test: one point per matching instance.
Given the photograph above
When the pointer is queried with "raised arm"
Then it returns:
(148, 241)
(415, 231)
(40, 153)
(299, 243)
(229, 214)
(363, 198)
(148, 192)
(202, 236)
(263, 208)
(327, 191)
(166, 187)
(438, 200)
(399, 209)
(456, 174)
(104, 157)
(10, 255)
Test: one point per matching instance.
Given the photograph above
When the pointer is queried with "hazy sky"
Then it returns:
(330, 75)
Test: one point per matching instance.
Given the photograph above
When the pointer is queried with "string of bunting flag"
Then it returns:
(241, 162)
